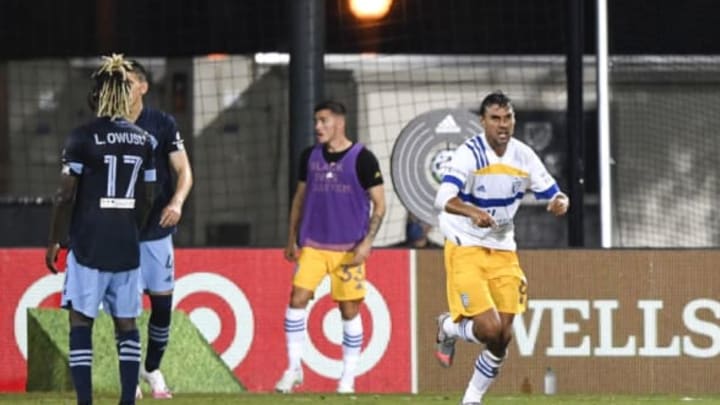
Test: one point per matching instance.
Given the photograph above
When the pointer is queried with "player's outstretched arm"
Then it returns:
(63, 203)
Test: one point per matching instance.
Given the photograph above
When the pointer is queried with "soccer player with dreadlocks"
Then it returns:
(101, 205)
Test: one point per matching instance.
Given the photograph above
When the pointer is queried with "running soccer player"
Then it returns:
(101, 205)
(478, 198)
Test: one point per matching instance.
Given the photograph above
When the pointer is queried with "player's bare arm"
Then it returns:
(362, 250)
(559, 204)
(478, 216)
(295, 217)
(172, 213)
(63, 203)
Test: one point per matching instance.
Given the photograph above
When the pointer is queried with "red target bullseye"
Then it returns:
(218, 306)
(210, 298)
(323, 353)
(315, 327)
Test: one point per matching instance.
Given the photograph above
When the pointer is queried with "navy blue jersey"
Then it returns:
(112, 159)
(162, 127)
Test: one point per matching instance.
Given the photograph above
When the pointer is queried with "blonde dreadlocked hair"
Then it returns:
(112, 87)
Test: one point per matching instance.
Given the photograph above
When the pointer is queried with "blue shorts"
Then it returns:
(157, 265)
(86, 288)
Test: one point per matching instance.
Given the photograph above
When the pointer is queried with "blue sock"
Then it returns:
(158, 330)
(128, 346)
(81, 362)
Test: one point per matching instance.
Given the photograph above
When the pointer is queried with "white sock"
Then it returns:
(462, 329)
(295, 335)
(351, 347)
(486, 369)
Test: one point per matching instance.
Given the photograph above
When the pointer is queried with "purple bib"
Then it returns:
(336, 208)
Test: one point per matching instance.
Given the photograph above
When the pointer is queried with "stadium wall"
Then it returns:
(612, 321)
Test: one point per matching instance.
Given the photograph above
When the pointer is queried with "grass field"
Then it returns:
(331, 399)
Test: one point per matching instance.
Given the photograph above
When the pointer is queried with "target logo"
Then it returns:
(331, 330)
(36, 295)
(237, 300)
(209, 299)
(422, 151)
(199, 294)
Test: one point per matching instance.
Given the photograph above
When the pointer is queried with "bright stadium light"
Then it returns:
(370, 9)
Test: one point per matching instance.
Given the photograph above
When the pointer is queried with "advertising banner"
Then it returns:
(237, 298)
(616, 321)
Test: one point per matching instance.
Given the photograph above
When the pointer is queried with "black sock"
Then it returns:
(128, 346)
(81, 362)
(158, 330)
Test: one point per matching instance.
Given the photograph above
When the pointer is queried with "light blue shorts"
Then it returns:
(86, 288)
(157, 265)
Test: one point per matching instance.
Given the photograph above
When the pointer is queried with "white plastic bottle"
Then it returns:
(550, 382)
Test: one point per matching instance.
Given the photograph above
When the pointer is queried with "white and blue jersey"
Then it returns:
(163, 128)
(496, 184)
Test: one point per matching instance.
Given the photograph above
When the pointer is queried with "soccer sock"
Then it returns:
(487, 367)
(295, 335)
(158, 330)
(128, 347)
(81, 362)
(462, 329)
(351, 347)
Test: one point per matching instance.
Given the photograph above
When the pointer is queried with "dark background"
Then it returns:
(62, 28)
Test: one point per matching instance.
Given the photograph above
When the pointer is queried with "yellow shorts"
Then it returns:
(479, 278)
(347, 283)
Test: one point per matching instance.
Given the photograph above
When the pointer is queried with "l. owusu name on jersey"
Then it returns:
(121, 137)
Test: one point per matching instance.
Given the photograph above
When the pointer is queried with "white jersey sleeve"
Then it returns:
(541, 181)
(462, 164)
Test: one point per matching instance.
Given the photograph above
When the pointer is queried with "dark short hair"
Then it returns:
(495, 98)
(335, 107)
(140, 70)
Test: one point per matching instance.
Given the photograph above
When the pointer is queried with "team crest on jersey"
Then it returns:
(516, 186)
